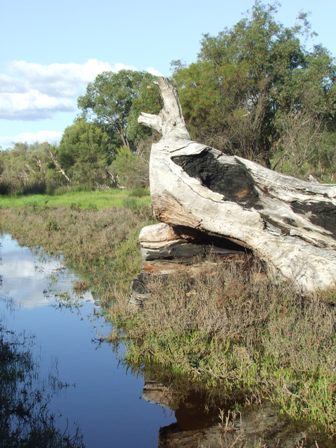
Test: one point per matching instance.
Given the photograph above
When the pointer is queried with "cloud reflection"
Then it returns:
(32, 280)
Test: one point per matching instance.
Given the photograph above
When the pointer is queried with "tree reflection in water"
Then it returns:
(24, 417)
(205, 421)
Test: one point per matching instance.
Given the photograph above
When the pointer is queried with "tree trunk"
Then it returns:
(288, 223)
(58, 166)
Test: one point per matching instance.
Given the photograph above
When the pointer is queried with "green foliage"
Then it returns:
(85, 153)
(114, 99)
(127, 255)
(97, 243)
(130, 168)
(77, 200)
(304, 147)
(249, 76)
(255, 91)
(28, 169)
(147, 100)
(252, 336)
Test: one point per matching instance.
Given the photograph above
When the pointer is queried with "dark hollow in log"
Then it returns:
(234, 182)
(205, 238)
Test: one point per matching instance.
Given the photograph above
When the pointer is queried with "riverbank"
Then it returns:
(248, 337)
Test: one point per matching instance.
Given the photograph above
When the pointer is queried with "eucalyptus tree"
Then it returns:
(248, 78)
(114, 101)
(29, 168)
(85, 153)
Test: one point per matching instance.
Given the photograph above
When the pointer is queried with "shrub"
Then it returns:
(130, 168)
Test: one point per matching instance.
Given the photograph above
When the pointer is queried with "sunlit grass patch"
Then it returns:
(80, 199)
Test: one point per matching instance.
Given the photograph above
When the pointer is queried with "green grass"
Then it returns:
(81, 199)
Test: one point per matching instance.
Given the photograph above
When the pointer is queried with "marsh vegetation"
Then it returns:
(230, 329)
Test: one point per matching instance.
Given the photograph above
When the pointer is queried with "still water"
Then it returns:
(89, 388)
(102, 397)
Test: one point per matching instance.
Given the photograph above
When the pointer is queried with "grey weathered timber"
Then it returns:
(288, 223)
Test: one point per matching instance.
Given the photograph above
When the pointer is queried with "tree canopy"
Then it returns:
(246, 78)
(85, 152)
(29, 169)
(114, 101)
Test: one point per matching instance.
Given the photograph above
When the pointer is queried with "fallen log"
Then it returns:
(288, 223)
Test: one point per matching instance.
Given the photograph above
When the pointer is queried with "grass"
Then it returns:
(227, 328)
(245, 336)
(81, 199)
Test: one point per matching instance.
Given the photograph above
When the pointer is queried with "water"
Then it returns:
(103, 398)
(88, 387)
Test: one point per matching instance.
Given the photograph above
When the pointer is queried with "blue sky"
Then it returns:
(52, 49)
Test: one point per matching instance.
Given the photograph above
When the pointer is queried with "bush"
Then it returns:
(130, 168)
(139, 192)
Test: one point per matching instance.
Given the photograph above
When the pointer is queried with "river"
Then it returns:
(87, 384)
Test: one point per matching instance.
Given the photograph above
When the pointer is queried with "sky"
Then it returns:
(51, 50)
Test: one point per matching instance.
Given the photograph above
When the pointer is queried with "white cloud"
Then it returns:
(66, 80)
(32, 105)
(31, 91)
(84, 72)
(26, 279)
(7, 84)
(119, 66)
(153, 71)
(31, 137)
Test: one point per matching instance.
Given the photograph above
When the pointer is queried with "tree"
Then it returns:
(29, 169)
(249, 76)
(85, 152)
(131, 169)
(114, 99)
(287, 223)
(147, 98)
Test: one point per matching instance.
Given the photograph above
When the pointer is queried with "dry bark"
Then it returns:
(287, 222)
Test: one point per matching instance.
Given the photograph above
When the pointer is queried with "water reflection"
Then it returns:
(30, 278)
(25, 420)
(211, 422)
(67, 378)
(104, 397)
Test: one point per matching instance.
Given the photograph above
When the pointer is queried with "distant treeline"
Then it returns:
(254, 91)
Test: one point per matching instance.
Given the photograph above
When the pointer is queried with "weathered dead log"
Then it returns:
(287, 222)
